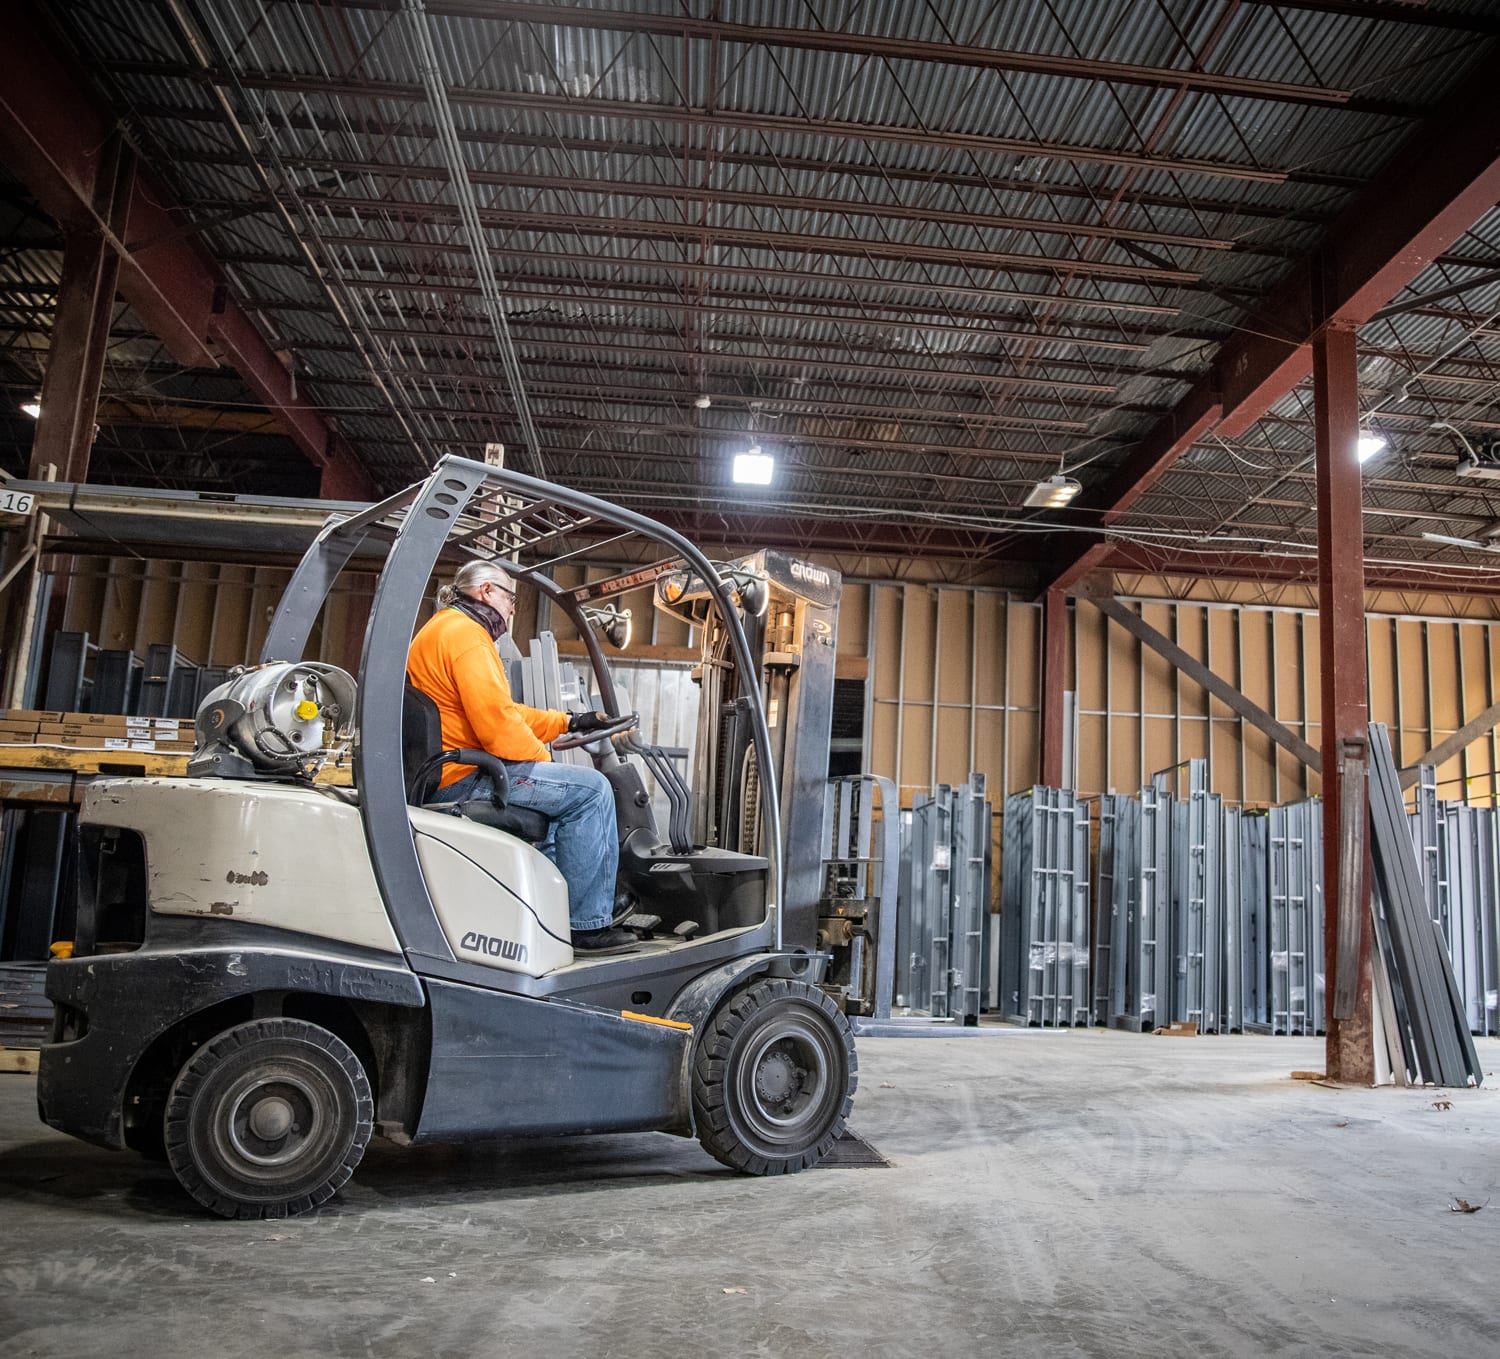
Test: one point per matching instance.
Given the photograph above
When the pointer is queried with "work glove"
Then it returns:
(587, 722)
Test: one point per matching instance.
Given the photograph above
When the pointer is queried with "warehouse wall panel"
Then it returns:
(953, 677)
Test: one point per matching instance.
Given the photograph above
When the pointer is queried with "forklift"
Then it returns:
(270, 968)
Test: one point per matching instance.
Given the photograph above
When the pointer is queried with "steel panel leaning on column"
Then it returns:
(1426, 994)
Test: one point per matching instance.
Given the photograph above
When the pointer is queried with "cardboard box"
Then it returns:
(30, 715)
(169, 726)
(135, 743)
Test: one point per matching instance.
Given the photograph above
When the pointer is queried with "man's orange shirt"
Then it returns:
(453, 661)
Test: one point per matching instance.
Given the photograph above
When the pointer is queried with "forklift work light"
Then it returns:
(613, 624)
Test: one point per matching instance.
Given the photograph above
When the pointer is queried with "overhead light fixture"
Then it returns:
(1052, 493)
(1482, 462)
(1369, 445)
(754, 468)
(1460, 542)
(32, 408)
(703, 402)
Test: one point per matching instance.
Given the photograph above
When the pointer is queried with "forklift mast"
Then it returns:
(790, 610)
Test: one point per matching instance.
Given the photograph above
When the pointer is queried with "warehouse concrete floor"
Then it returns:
(1081, 1193)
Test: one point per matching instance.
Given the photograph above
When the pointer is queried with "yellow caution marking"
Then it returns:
(653, 1019)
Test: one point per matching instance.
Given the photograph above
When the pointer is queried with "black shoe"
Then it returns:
(606, 939)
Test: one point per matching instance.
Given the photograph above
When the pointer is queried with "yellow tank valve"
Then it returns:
(306, 710)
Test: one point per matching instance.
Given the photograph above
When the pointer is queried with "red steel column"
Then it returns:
(1054, 658)
(80, 326)
(1341, 645)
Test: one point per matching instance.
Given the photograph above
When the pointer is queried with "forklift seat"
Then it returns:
(423, 755)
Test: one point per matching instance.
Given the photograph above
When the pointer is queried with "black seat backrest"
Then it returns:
(421, 739)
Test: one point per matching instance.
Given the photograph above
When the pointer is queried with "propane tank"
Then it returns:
(268, 721)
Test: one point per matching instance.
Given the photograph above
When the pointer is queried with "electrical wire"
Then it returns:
(531, 910)
(426, 59)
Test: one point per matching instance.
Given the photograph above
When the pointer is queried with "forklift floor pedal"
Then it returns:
(639, 921)
(687, 929)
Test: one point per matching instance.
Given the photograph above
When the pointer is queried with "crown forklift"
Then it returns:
(268, 970)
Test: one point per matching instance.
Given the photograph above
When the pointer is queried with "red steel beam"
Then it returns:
(851, 284)
(893, 48)
(687, 235)
(685, 196)
(51, 138)
(1438, 185)
(1345, 704)
(718, 120)
(683, 161)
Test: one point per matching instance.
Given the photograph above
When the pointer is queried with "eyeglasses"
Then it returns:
(495, 585)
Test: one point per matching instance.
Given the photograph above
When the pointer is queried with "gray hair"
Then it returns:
(470, 576)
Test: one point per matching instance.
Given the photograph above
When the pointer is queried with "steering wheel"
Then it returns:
(573, 739)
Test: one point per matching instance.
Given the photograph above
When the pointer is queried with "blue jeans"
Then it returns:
(582, 840)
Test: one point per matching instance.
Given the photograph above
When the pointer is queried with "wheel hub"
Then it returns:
(271, 1118)
(777, 1078)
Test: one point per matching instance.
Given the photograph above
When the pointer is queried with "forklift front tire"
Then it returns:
(774, 1078)
(268, 1119)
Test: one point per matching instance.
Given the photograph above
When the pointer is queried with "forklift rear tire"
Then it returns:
(774, 1078)
(268, 1119)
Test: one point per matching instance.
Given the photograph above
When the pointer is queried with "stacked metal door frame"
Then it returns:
(1198, 903)
(1119, 854)
(937, 973)
(1044, 957)
(1151, 996)
(1221, 925)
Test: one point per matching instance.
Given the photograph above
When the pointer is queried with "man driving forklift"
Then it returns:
(454, 661)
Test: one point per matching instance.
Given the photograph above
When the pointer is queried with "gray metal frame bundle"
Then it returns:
(944, 898)
(1253, 920)
(1198, 903)
(1427, 1011)
(1208, 914)
(1044, 948)
(1151, 925)
(1294, 885)
(1114, 907)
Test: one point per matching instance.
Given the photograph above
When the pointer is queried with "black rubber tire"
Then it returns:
(268, 1119)
(774, 1078)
